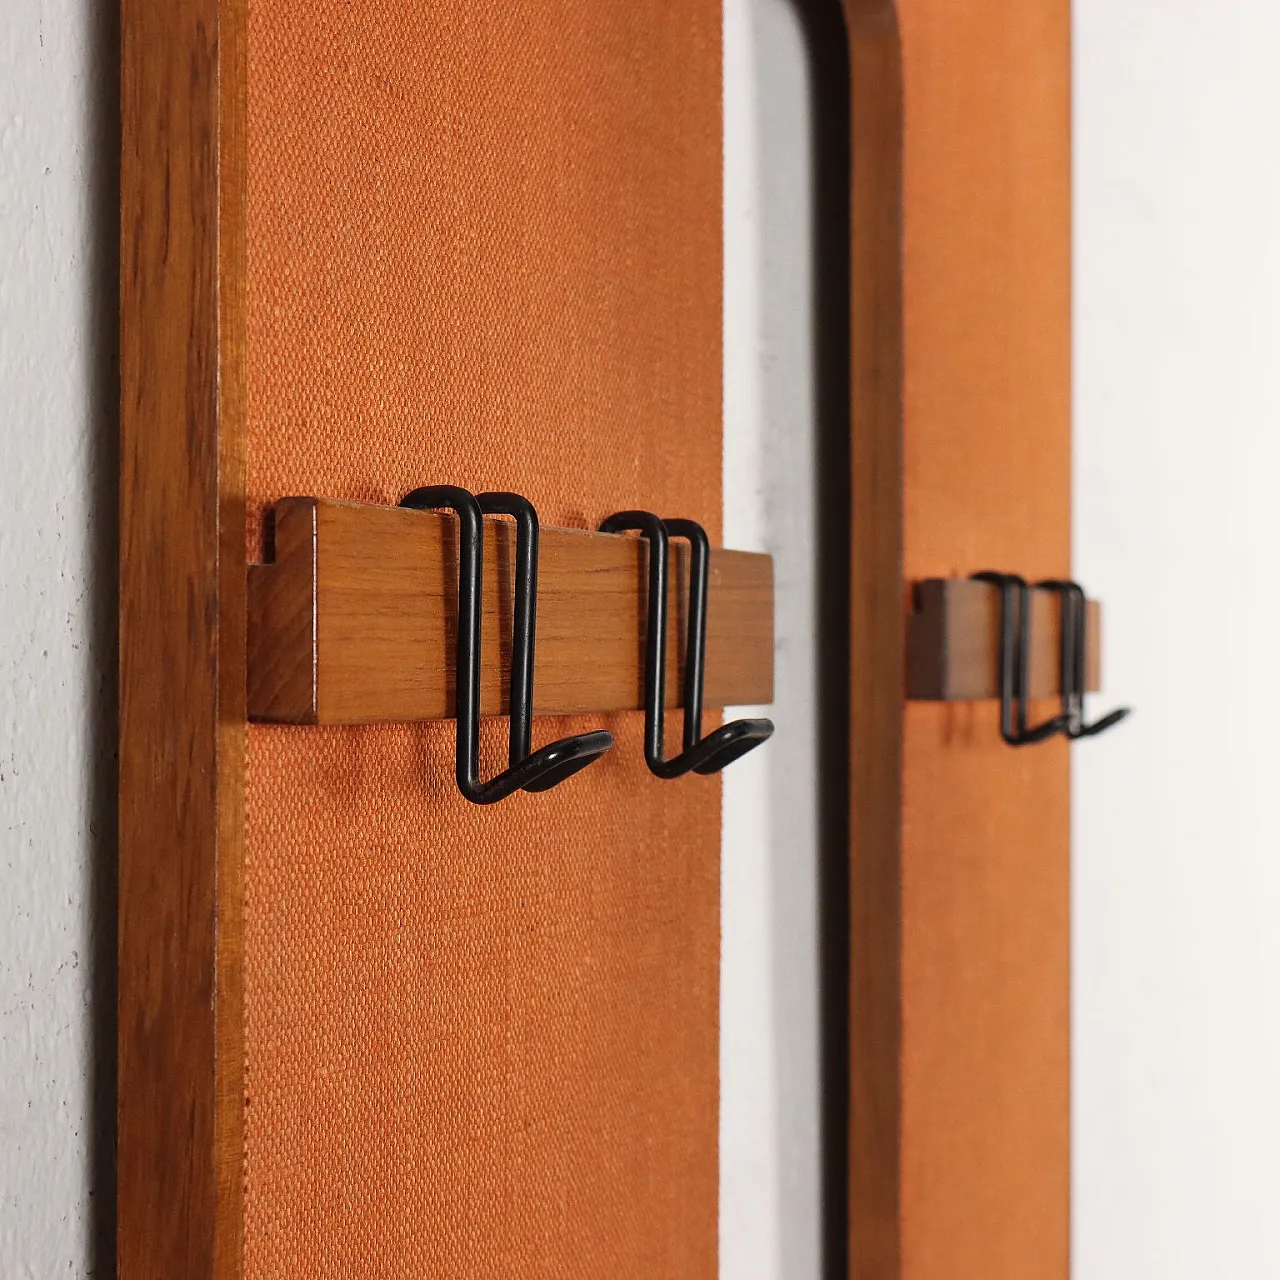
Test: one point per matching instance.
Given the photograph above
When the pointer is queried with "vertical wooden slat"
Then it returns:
(877, 657)
(182, 583)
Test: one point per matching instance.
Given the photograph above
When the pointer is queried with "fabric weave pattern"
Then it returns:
(484, 248)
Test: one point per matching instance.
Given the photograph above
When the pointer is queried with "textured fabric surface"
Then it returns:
(986, 885)
(484, 248)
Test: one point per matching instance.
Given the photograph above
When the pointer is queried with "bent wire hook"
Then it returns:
(1015, 662)
(726, 744)
(1073, 653)
(550, 765)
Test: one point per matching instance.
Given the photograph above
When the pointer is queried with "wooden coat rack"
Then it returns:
(953, 642)
(353, 622)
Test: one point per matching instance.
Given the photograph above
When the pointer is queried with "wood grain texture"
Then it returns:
(985, 864)
(282, 658)
(355, 621)
(953, 642)
(878, 639)
(181, 640)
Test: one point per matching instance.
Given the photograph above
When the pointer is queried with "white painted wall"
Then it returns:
(769, 1047)
(1177, 527)
(58, 206)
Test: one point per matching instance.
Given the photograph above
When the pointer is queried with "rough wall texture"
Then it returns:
(771, 1121)
(58, 212)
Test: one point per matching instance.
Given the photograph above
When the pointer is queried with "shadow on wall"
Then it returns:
(827, 48)
(785, 990)
(102, 337)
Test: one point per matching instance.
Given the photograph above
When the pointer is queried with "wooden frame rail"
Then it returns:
(182, 629)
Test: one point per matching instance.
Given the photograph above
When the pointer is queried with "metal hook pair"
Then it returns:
(1015, 662)
(528, 770)
(1072, 656)
(723, 745)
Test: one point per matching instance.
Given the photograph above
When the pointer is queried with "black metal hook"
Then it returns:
(723, 745)
(1015, 662)
(550, 765)
(1073, 652)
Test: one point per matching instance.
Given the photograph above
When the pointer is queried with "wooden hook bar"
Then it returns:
(354, 621)
(953, 642)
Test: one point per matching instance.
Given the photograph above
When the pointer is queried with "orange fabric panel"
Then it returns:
(985, 966)
(484, 248)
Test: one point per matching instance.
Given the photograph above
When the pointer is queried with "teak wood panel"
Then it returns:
(183, 494)
(183, 634)
(953, 642)
(354, 621)
(182, 627)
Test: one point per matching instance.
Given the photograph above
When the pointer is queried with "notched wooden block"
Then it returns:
(354, 621)
(953, 645)
(282, 666)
